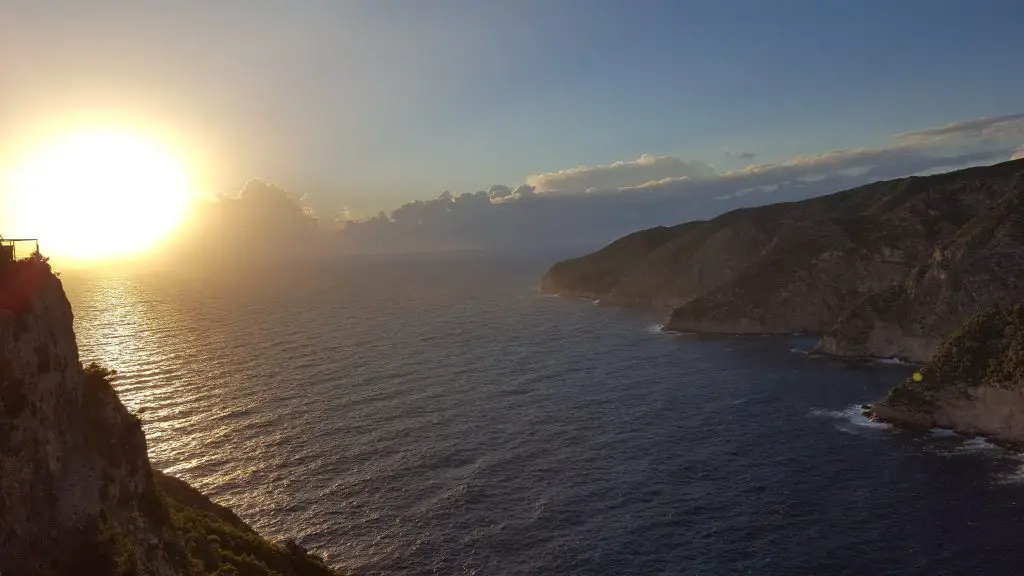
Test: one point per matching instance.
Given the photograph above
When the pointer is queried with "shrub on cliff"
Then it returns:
(220, 544)
(215, 541)
(988, 348)
(97, 370)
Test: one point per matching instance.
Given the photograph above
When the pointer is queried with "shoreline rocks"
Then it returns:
(974, 386)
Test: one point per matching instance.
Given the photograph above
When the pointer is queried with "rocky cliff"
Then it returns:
(974, 385)
(77, 492)
(887, 269)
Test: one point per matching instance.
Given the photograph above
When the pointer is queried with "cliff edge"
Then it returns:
(77, 493)
(888, 269)
(974, 385)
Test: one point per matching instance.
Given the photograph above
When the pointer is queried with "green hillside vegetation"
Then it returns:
(218, 543)
(987, 350)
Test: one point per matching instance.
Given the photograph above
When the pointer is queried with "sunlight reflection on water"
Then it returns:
(425, 417)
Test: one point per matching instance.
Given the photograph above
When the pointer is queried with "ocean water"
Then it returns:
(413, 416)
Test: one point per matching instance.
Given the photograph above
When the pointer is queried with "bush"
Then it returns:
(987, 349)
(98, 371)
(219, 543)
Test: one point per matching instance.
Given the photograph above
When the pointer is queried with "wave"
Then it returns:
(851, 419)
(1015, 476)
(981, 445)
(890, 361)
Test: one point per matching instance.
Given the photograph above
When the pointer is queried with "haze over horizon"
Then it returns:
(558, 122)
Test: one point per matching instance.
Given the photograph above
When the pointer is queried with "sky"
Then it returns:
(367, 105)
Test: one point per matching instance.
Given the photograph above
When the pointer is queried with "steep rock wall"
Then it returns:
(74, 473)
(974, 384)
(887, 269)
(77, 493)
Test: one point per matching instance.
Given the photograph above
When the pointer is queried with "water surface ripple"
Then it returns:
(440, 416)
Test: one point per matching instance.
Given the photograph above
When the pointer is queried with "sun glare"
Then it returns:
(100, 195)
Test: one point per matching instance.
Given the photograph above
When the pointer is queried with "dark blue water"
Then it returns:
(440, 416)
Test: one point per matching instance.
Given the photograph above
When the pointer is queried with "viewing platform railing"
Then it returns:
(17, 248)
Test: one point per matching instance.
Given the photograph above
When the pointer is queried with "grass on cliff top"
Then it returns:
(987, 349)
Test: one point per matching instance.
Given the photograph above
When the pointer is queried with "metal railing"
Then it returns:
(18, 248)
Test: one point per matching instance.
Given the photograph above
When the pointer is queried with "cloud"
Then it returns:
(650, 172)
(1018, 154)
(746, 156)
(346, 215)
(596, 204)
(259, 210)
(620, 174)
(499, 191)
(987, 127)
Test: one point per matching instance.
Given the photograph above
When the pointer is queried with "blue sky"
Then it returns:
(369, 104)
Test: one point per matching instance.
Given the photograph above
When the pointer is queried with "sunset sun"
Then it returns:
(101, 194)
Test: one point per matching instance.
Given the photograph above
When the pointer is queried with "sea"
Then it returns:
(435, 415)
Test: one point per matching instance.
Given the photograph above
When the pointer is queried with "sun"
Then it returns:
(100, 194)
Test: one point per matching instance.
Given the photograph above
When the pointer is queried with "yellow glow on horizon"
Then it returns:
(100, 194)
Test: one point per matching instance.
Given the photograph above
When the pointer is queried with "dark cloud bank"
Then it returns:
(592, 205)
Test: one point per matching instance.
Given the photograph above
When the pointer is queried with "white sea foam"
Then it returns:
(952, 445)
(1015, 476)
(980, 445)
(968, 445)
(851, 419)
(949, 443)
(656, 328)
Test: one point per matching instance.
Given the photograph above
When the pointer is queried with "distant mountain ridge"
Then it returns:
(887, 269)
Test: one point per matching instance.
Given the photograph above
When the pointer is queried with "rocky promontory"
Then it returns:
(974, 385)
(889, 269)
(78, 495)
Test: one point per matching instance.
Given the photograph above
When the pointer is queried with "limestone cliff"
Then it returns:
(974, 385)
(887, 269)
(77, 493)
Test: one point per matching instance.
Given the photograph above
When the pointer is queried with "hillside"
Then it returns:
(77, 493)
(974, 384)
(887, 269)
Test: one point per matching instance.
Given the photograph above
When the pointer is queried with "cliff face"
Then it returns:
(73, 465)
(77, 493)
(974, 385)
(982, 264)
(887, 269)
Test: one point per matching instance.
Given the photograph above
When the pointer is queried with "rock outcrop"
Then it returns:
(974, 385)
(77, 492)
(888, 269)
